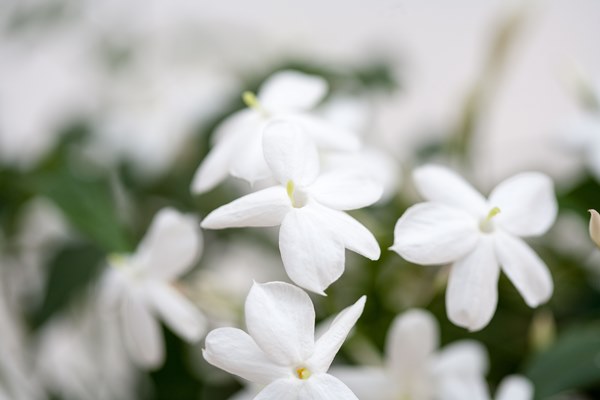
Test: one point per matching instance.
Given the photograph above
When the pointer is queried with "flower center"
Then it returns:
(252, 102)
(117, 260)
(303, 373)
(487, 225)
(297, 197)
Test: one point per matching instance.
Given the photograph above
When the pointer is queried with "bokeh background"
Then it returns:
(108, 107)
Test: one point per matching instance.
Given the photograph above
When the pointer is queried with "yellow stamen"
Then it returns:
(290, 192)
(493, 212)
(486, 224)
(252, 102)
(303, 373)
(116, 260)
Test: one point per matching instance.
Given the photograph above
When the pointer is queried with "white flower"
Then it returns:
(414, 369)
(140, 286)
(515, 387)
(280, 351)
(458, 225)
(314, 232)
(238, 147)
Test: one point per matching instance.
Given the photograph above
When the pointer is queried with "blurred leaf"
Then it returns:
(70, 272)
(572, 362)
(88, 205)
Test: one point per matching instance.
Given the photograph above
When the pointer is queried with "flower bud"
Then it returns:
(595, 226)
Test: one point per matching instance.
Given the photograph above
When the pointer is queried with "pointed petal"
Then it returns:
(290, 153)
(292, 90)
(440, 184)
(234, 351)
(177, 311)
(345, 190)
(352, 233)
(330, 342)
(281, 319)
(412, 340)
(266, 207)
(287, 389)
(325, 387)
(472, 292)
(515, 387)
(524, 268)
(368, 383)
(313, 257)
(527, 204)
(326, 135)
(231, 135)
(433, 233)
(171, 246)
(142, 333)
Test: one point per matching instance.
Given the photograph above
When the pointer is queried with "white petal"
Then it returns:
(527, 204)
(292, 90)
(177, 311)
(313, 257)
(290, 153)
(231, 135)
(472, 292)
(234, 351)
(433, 233)
(330, 342)
(325, 387)
(353, 234)
(281, 319)
(326, 135)
(266, 207)
(368, 383)
(142, 333)
(345, 190)
(249, 163)
(440, 184)
(412, 340)
(524, 268)
(464, 358)
(284, 389)
(171, 245)
(515, 388)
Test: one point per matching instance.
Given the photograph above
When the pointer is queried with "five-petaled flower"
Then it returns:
(238, 149)
(415, 369)
(139, 286)
(458, 225)
(280, 351)
(314, 232)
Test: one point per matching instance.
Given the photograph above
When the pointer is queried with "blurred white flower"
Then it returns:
(151, 112)
(141, 287)
(81, 357)
(42, 228)
(15, 366)
(581, 137)
(280, 350)
(314, 232)
(238, 148)
(515, 387)
(221, 286)
(414, 368)
(458, 225)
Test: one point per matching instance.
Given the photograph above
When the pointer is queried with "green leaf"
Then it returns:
(70, 272)
(573, 362)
